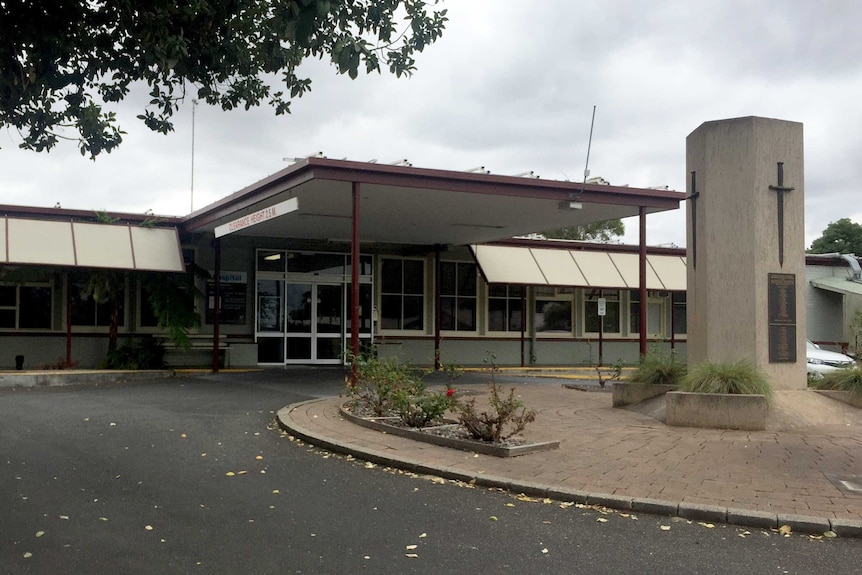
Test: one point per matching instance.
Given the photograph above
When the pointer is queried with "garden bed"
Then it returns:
(449, 434)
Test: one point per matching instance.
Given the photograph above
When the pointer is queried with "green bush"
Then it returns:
(849, 379)
(738, 377)
(421, 407)
(660, 368)
(379, 380)
(136, 354)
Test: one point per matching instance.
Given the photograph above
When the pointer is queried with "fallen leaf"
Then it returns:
(707, 525)
(493, 518)
(545, 550)
(366, 557)
(423, 536)
(103, 518)
(243, 472)
(665, 527)
(230, 473)
(830, 534)
(785, 530)
(259, 457)
(369, 465)
(182, 435)
(275, 492)
(510, 505)
(546, 522)
(27, 555)
(411, 555)
(39, 533)
(148, 527)
(547, 501)
(64, 517)
(203, 454)
(566, 505)
(113, 424)
(411, 547)
(438, 480)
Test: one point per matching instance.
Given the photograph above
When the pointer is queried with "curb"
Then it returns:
(59, 378)
(695, 512)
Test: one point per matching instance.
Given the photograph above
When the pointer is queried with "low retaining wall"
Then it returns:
(843, 396)
(716, 410)
(627, 393)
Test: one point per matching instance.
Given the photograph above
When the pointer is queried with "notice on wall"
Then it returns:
(233, 300)
(782, 318)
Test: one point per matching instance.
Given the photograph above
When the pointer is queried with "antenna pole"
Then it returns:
(589, 145)
(194, 107)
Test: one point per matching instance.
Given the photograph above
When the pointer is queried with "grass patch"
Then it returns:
(849, 379)
(659, 368)
(738, 377)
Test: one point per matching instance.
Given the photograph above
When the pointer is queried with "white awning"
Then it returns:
(84, 244)
(839, 285)
(577, 268)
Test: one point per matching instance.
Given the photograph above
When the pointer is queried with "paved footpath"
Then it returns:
(626, 460)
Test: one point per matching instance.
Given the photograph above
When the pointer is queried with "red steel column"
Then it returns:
(354, 275)
(217, 303)
(643, 287)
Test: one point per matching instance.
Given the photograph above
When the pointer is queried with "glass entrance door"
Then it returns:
(314, 323)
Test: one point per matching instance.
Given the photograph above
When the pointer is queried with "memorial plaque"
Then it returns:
(782, 318)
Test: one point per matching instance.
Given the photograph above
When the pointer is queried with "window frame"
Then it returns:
(653, 298)
(47, 284)
(612, 296)
(521, 299)
(459, 297)
(401, 294)
(560, 294)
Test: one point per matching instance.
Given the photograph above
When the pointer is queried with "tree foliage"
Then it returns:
(594, 232)
(64, 64)
(843, 236)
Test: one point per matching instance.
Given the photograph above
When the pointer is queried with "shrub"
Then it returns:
(136, 354)
(849, 379)
(660, 368)
(420, 408)
(738, 377)
(507, 417)
(379, 380)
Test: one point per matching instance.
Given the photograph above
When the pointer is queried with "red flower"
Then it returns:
(450, 392)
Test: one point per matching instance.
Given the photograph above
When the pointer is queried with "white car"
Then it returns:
(822, 361)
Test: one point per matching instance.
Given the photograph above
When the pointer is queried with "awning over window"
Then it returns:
(82, 244)
(839, 285)
(577, 268)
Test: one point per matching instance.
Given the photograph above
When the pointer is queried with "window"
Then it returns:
(610, 324)
(553, 310)
(505, 308)
(86, 311)
(680, 324)
(458, 296)
(402, 294)
(26, 306)
(655, 312)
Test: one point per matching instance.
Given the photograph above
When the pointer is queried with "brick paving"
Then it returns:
(631, 459)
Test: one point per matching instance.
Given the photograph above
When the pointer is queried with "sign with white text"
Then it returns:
(603, 306)
(257, 217)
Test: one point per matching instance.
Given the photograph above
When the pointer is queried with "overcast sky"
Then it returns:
(511, 86)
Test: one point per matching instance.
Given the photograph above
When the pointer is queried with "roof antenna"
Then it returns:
(587, 165)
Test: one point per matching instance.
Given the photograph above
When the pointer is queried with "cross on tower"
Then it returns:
(693, 197)
(781, 189)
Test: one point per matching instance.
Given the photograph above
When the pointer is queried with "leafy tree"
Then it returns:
(843, 236)
(63, 64)
(594, 232)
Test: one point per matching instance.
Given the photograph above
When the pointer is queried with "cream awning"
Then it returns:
(577, 268)
(83, 244)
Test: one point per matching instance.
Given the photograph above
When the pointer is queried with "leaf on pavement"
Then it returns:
(601, 520)
(39, 533)
(230, 473)
(665, 527)
(830, 534)
(27, 555)
(785, 530)
(148, 527)
(411, 555)
(493, 518)
(411, 547)
(707, 525)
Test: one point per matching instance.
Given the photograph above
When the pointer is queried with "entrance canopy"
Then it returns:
(45, 241)
(407, 205)
(598, 268)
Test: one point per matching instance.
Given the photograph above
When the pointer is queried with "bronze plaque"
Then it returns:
(782, 318)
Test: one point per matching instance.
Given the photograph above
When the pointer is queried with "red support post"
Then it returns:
(217, 303)
(354, 280)
(642, 261)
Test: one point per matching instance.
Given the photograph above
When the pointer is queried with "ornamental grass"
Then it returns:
(659, 368)
(849, 379)
(740, 377)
